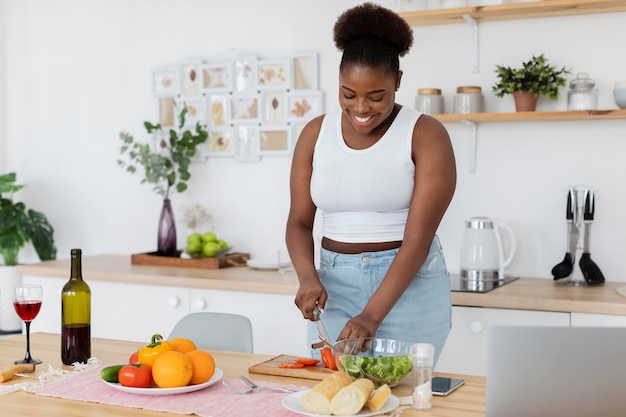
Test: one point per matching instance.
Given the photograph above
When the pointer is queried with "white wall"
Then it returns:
(78, 74)
(3, 97)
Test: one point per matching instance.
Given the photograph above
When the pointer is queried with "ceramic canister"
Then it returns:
(429, 101)
(468, 99)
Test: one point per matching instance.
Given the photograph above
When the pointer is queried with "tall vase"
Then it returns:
(167, 231)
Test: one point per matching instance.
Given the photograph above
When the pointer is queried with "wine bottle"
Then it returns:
(75, 315)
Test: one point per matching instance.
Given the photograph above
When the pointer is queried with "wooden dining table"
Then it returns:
(467, 401)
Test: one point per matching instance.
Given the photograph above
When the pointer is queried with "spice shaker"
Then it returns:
(581, 95)
(429, 100)
(422, 355)
(468, 99)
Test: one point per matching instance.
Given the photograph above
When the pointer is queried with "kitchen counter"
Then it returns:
(539, 294)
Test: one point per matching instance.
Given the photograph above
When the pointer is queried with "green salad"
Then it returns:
(390, 368)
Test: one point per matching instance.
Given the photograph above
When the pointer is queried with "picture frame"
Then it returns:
(245, 108)
(274, 74)
(274, 107)
(196, 109)
(247, 137)
(304, 71)
(191, 78)
(244, 74)
(220, 142)
(218, 110)
(165, 81)
(217, 77)
(167, 111)
(304, 105)
(275, 140)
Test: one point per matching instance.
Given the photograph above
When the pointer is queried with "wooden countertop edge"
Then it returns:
(539, 294)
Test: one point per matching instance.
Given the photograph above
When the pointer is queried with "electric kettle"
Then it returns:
(482, 250)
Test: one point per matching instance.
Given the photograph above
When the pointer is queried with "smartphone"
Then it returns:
(444, 386)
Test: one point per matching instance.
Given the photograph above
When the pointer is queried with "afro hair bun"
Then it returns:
(373, 21)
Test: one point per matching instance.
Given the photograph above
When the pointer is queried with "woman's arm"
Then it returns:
(299, 234)
(435, 182)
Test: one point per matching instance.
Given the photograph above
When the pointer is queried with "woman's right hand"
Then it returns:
(311, 293)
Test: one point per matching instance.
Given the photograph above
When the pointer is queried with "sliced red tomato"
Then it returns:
(307, 361)
(290, 365)
(134, 358)
(137, 376)
(328, 359)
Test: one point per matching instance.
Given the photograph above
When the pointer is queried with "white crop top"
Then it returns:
(364, 195)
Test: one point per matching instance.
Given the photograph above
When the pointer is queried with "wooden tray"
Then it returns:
(270, 367)
(151, 258)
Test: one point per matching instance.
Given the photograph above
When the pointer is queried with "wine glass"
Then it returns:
(27, 302)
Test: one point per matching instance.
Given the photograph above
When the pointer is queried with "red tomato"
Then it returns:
(307, 361)
(290, 365)
(134, 358)
(328, 358)
(137, 376)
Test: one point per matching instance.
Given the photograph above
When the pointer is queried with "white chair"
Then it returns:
(211, 330)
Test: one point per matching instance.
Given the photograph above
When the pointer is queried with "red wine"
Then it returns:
(27, 309)
(73, 349)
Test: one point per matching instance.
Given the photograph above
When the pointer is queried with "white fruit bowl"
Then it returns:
(619, 94)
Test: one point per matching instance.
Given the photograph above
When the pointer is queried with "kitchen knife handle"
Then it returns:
(589, 205)
(571, 204)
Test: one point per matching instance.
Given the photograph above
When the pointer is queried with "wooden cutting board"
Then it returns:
(270, 367)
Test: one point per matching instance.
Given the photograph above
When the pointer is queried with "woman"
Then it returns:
(383, 176)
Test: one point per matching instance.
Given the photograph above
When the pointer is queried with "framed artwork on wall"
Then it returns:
(275, 140)
(247, 137)
(191, 78)
(245, 74)
(274, 74)
(167, 111)
(245, 108)
(196, 110)
(165, 81)
(217, 77)
(304, 105)
(304, 71)
(274, 107)
(221, 142)
(219, 109)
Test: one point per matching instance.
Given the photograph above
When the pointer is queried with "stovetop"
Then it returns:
(459, 284)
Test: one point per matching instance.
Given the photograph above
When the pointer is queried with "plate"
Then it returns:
(260, 264)
(168, 391)
(292, 403)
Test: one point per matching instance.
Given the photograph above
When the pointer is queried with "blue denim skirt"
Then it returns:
(422, 314)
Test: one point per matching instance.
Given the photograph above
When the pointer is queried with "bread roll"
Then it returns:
(352, 398)
(378, 398)
(317, 399)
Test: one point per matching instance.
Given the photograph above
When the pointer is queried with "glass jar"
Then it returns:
(581, 95)
(429, 101)
(468, 99)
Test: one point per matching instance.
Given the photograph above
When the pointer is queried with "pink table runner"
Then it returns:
(213, 401)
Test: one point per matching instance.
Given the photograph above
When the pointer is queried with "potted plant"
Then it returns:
(18, 226)
(534, 78)
(166, 167)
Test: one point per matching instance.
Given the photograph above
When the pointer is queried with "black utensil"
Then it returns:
(591, 271)
(565, 268)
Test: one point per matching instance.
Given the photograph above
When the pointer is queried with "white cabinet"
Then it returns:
(597, 320)
(135, 312)
(465, 351)
(277, 324)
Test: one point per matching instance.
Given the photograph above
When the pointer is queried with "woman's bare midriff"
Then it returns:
(354, 248)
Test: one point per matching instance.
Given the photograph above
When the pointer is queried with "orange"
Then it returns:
(183, 345)
(172, 369)
(203, 366)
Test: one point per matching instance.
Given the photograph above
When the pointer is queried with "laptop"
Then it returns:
(556, 371)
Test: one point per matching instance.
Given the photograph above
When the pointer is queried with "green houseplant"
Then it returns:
(19, 226)
(534, 78)
(165, 166)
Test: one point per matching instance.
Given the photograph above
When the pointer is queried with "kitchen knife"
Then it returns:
(572, 223)
(20, 368)
(321, 330)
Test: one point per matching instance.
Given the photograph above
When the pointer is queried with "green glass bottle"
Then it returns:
(75, 315)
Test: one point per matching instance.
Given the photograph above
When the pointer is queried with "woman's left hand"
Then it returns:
(358, 327)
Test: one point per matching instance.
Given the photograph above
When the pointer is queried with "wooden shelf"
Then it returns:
(551, 116)
(546, 8)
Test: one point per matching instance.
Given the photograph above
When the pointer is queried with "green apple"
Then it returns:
(210, 249)
(194, 247)
(195, 237)
(209, 237)
(222, 243)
